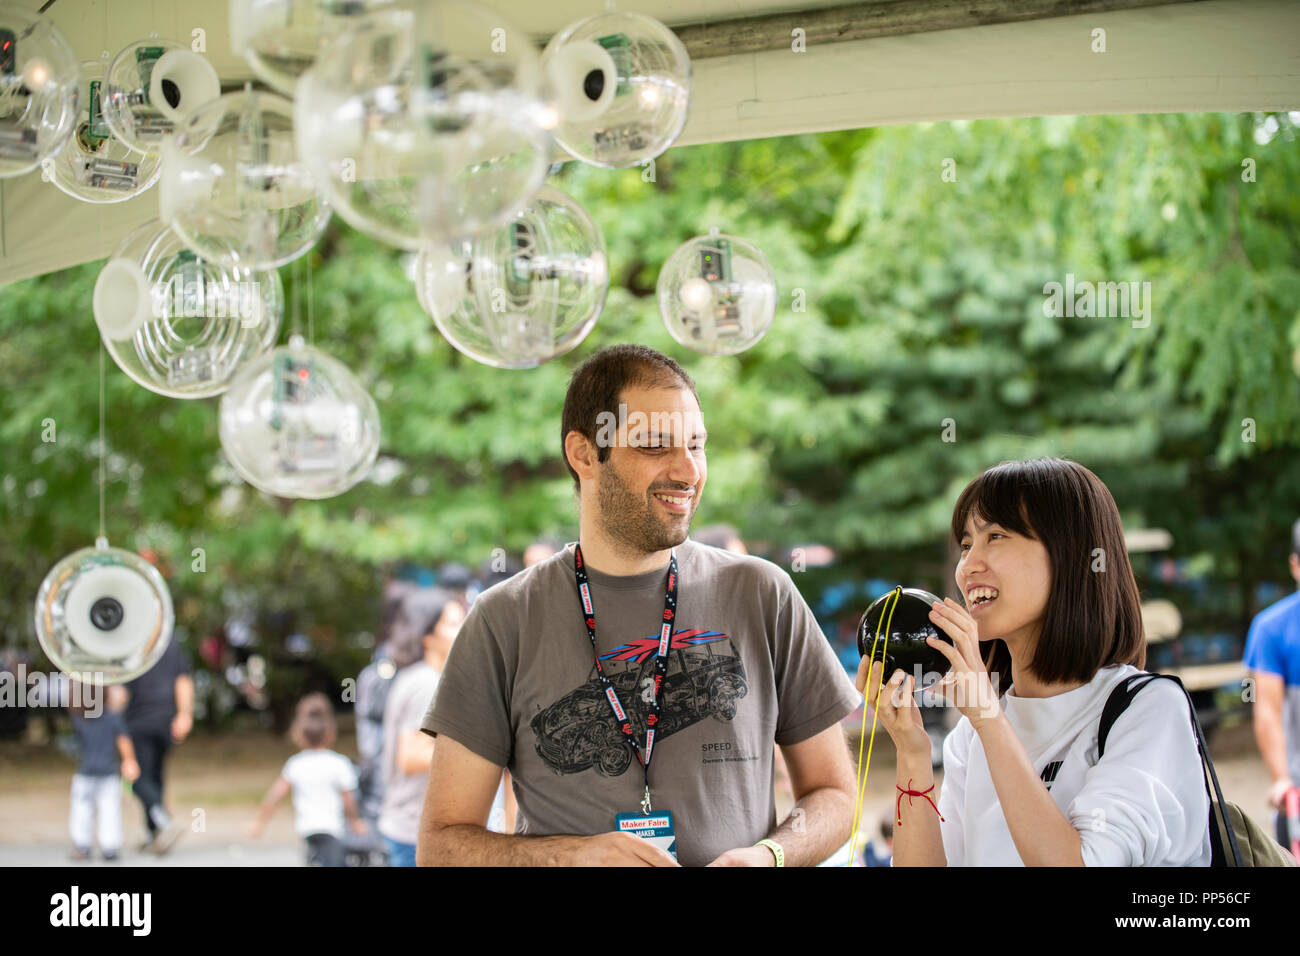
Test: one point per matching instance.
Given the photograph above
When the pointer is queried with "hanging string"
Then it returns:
(99, 340)
(311, 323)
(102, 538)
(863, 771)
(294, 301)
(102, 448)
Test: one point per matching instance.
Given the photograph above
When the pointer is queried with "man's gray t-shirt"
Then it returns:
(748, 666)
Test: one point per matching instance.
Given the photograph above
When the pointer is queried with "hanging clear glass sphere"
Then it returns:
(425, 124)
(94, 165)
(39, 79)
(150, 86)
(522, 294)
(717, 294)
(296, 423)
(233, 187)
(179, 324)
(280, 39)
(104, 614)
(622, 84)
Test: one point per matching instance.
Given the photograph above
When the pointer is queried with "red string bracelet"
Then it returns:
(910, 793)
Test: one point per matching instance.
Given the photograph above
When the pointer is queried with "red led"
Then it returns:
(302, 374)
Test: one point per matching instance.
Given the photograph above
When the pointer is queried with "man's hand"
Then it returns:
(130, 771)
(358, 826)
(453, 826)
(619, 849)
(181, 726)
(746, 856)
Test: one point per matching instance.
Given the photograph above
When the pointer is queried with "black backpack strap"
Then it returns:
(1118, 702)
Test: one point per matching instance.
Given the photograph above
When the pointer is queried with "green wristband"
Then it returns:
(776, 849)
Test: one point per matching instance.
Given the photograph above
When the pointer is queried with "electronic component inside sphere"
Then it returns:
(909, 626)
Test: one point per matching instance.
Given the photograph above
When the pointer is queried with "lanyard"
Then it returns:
(660, 665)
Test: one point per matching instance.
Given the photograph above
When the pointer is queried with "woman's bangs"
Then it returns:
(997, 496)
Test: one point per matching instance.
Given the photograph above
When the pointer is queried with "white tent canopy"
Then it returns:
(863, 64)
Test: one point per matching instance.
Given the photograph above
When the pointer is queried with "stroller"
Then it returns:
(364, 849)
(361, 849)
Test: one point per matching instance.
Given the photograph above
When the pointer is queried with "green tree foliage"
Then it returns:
(911, 264)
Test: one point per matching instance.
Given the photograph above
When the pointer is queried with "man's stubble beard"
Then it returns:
(629, 520)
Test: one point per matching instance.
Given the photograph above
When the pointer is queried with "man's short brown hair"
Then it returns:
(598, 384)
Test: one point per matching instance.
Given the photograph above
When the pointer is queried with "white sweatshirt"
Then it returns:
(1144, 804)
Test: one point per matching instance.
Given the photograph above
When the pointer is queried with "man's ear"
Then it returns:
(581, 454)
(1295, 568)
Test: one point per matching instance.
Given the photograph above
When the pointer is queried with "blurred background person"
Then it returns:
(541, 549)
(159, 713)
(1273, 657)
(423, 634)
(497, 568)
(373, 686)
(323, 784)
(456, 579)
(722, 536)
(880, 851)
(97, 785)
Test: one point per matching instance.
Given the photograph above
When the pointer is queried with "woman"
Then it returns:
(423, 633)
(424, 629)
(1050, 594)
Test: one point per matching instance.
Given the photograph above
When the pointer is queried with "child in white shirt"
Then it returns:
(1051, 625)
(323, 784)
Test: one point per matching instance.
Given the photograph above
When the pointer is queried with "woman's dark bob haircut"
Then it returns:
(1093, 617)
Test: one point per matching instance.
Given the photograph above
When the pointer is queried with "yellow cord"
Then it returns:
(875, 714)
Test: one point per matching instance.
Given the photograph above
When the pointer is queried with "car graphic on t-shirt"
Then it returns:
(705, 678)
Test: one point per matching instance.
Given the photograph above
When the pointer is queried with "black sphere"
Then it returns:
(593, 84)
(909, 626)
(106, 613)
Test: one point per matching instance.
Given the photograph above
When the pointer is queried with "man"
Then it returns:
(718, 660)
(159, 713)
(1273, 658)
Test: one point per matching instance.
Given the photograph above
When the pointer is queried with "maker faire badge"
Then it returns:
(654, 827)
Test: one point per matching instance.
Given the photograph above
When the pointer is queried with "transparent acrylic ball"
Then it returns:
(39, 79)
(425, 124)
(525, 293)
(622, 85)
(104, 614)
(94, 165)
(233, 187)
(296, 423)
(281, 39)
(717, 294)
(179, 324)
(149, 88)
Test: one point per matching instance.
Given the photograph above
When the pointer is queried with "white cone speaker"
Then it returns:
(105, 612)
